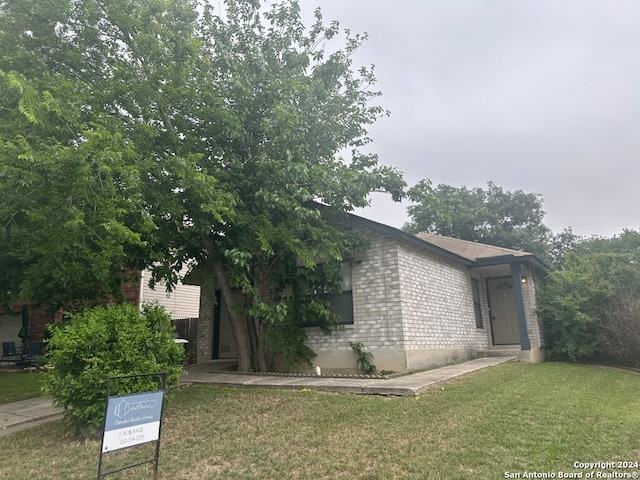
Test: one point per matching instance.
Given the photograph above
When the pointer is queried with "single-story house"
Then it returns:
(415, 301)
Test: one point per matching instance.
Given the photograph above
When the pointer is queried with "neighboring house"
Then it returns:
(182, 302)
(416, 301)
(11, 323)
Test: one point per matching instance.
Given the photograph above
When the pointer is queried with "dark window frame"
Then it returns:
(340, 304)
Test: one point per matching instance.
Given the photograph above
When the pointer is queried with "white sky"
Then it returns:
(538, 95)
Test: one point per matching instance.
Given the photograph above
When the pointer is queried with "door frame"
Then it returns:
(516, 277)
(215, 341)
(488, 290)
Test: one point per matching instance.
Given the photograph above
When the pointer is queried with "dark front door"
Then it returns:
(504, 315)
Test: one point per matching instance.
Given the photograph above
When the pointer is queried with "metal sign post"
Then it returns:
(132, 420)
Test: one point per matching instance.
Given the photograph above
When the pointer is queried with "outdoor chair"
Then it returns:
(33, 350)
(9, 352)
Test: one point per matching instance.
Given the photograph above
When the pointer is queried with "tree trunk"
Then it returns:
(257, 344)
(237, 321)
(262, 347)
(265, 291)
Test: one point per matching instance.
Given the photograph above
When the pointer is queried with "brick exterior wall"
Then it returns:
(205, 319)
(413, 308)
(534, 323)
(377, 303)
(437, 302)
(408, 299)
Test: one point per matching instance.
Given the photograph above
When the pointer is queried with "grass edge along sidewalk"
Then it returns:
(512, 418)
(24, 414)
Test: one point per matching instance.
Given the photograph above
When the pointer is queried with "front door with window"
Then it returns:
(504, 315)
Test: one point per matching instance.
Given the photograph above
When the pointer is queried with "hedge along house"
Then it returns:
(414, 301)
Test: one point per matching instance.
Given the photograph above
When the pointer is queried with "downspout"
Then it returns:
(516, 275)
(141, 290)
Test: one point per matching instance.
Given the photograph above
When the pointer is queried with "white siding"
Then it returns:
(9, 328)
(182, 302)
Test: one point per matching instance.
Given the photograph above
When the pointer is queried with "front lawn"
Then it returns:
(507, 419)
(16, 386)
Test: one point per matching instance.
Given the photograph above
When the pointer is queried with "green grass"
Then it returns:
(16, 386)
(512, 418)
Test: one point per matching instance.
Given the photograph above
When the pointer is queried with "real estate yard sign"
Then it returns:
(132, 420)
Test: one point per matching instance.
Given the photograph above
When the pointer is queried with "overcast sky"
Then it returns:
(542, 96)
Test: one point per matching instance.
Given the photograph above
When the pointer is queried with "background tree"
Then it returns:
(229, 121)
(492, 215)
(561, 243)
(590, 304)
(71, 211)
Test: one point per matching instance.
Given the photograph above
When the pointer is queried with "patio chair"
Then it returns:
(33, 350)
(9, 352)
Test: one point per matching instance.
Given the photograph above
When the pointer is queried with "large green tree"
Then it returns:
(71, 212)
(229, 121)
(93, 89)
(492, 215)
(591, 303)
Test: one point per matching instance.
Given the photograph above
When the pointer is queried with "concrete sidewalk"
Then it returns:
(28, 413)
(17, 416)
(412, 384)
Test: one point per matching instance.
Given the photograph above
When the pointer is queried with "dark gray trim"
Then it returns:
(215, 350)
(516, 274)
(477, 307)
(509, 259)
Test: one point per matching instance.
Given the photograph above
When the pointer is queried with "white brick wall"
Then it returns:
(437, 302)
(533, 322)
(407, 298)
(376, 301)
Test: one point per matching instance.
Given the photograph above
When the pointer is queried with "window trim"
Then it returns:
(477, 302)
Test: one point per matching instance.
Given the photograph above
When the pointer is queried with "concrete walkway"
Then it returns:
(412, 384)
(28, 413)
(17, 416)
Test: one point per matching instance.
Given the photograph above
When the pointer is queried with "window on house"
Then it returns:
(475, 288)
(342, 303)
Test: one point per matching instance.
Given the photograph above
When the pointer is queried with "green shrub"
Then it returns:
(567, 307)
(589, 308)
(619, 330)
(364, 358)
(109, 341)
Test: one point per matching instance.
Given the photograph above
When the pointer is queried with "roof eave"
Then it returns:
(412, 239)
(509, 259)
(409, 238)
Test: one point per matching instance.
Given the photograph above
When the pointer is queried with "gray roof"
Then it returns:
(471, 254)
(470, 250)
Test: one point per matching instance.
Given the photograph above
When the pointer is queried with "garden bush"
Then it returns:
(619, 330)
(591, 308)
(108, 341)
